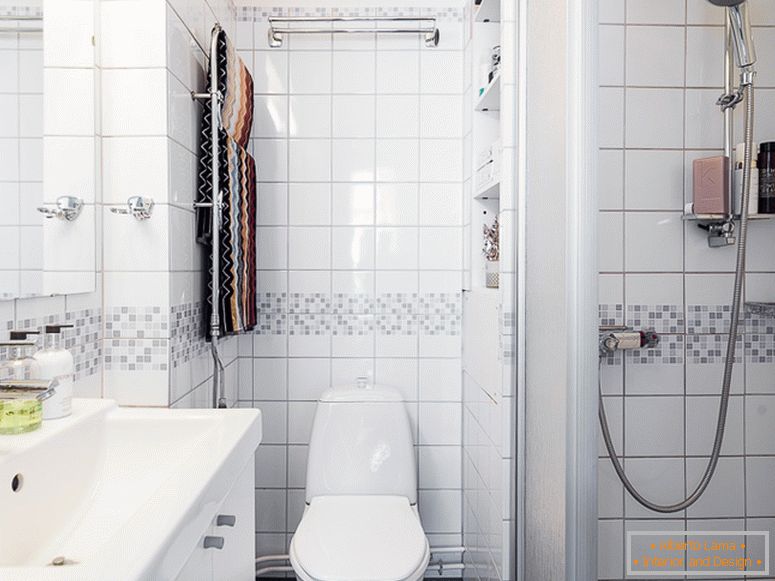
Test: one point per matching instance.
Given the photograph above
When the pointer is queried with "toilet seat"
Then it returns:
(360, 538)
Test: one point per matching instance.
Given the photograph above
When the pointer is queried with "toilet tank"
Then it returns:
(361, 443)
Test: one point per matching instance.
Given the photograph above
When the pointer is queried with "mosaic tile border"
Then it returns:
(20, 10)
(136, 355)
(710, 349)
(361, 303)
(708, 318)
(272, 324)
(611, 314)
(187, 339)
(84, 340)
(508, 323)
(663, 318)
(706, 326)
(261, 13)
(670, 351)
(388, 313)
(760, 349)
(137, 322)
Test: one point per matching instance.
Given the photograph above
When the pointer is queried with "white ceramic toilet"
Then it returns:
(360, 522)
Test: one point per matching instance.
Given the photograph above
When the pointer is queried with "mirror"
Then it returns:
(48, 177)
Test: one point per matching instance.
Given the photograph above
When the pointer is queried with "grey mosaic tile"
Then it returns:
(441, 324)
(611, 314)
(759, 348)
(662, 318)
(260, 13)
(440, 303)
(272, 324)
(309, 324)
(359, 303)
(759, 323)
(508, 323)
(397, 324)
(145, 322)
(309, 303)
(353, 325)
(670, 351)
(710, 349)
(272, 303)
(137, 355)
(611, 359)
(397, 302)
(187, 335)
(84, 341)
(21, 10)
(708, 318)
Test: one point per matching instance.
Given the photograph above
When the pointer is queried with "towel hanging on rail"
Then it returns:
(237, 185)
(238, 247)
(235, 84)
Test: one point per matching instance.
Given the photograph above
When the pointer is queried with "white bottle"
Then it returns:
(56, 362)
(753, 201)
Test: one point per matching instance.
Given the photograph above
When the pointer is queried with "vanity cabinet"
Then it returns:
(226, 549)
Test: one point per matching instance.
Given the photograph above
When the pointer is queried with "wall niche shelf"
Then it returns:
(488, 11)
(760, 308)
(722, 217)
(490, 99)
(489, 191)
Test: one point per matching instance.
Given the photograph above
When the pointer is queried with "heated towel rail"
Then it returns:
(214, 97)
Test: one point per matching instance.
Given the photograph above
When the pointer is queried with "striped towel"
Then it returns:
(237, 179)
(238, 242)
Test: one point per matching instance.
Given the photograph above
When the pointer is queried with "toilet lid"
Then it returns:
(354, 538)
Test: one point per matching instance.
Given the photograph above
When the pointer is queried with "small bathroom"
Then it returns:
(333, 290)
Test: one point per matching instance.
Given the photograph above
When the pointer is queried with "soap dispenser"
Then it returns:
(20, 411)
(56, 362)
(20, 363)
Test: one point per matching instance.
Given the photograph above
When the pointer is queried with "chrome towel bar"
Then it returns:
(424, 26)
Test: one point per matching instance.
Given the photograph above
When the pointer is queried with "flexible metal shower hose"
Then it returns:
(730, 355)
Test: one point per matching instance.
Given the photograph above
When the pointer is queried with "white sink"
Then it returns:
(118, 492)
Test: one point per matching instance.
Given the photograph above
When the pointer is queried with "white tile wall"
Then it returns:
(187, 27)
(489, 420)
(359, 151)
(660, 74)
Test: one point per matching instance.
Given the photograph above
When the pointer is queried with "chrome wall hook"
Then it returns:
(138, 207)
(67, 208)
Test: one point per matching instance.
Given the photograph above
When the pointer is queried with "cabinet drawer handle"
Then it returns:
(214, 543)
(226, 520)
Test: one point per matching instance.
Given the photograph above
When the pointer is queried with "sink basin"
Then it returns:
(114, 489)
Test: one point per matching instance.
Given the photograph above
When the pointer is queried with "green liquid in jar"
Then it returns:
(18, 416)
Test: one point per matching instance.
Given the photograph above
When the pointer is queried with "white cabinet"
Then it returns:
(199, 566)
(235, 523)
(226, 549)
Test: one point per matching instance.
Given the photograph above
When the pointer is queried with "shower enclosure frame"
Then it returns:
(557, 328)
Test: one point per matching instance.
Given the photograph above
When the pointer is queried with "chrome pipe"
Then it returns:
(219, 398)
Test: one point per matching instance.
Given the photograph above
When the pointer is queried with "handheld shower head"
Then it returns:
(740, 26)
